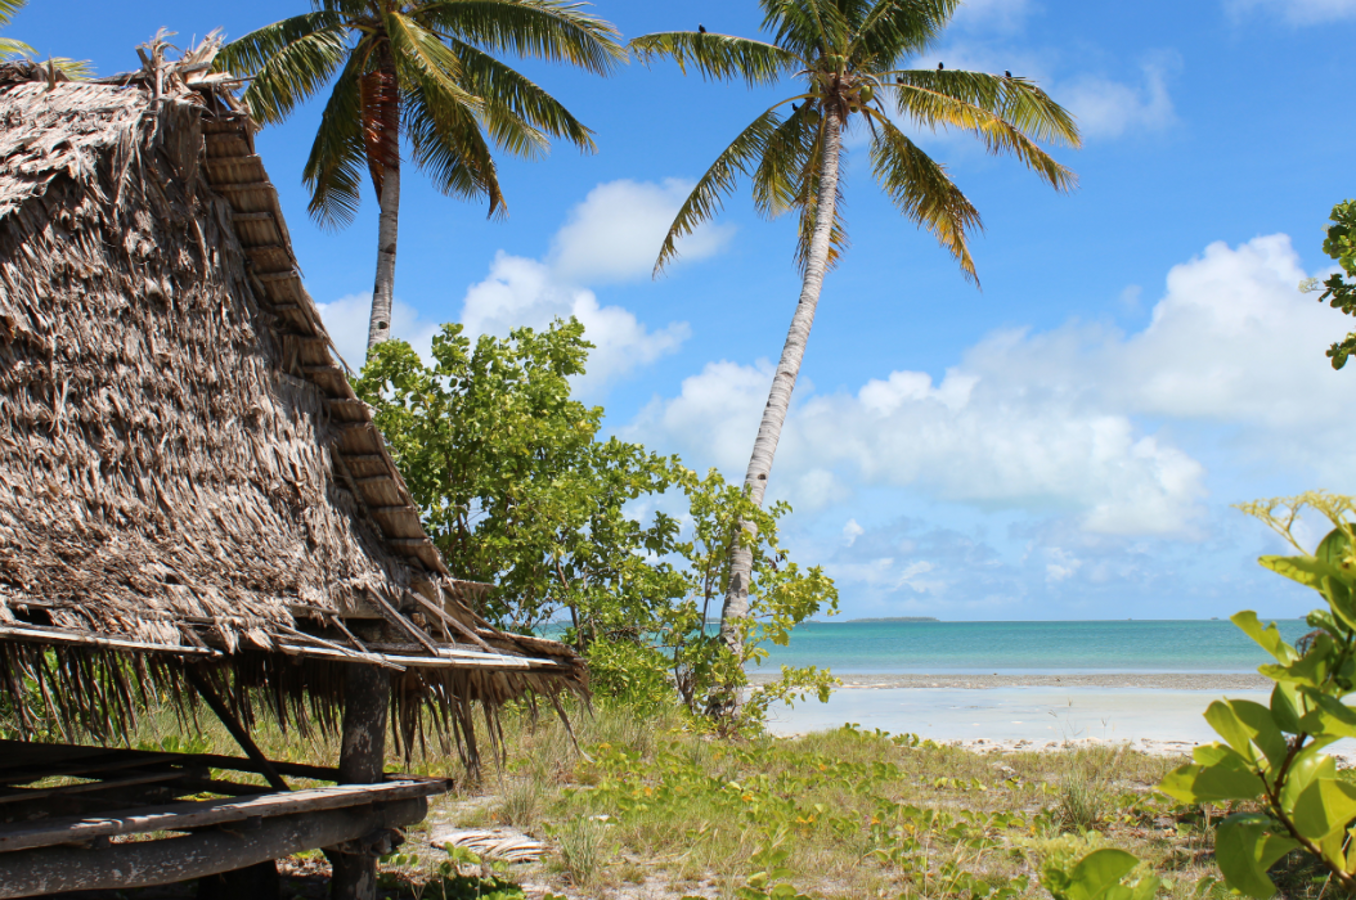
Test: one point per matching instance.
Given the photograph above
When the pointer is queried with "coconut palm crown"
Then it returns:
(424, 71)
(848, 59)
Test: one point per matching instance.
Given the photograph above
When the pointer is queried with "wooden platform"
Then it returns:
(79, 818)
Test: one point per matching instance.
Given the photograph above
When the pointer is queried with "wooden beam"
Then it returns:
(204, 813)
(242, 736)
(51, 870)
(362, 757)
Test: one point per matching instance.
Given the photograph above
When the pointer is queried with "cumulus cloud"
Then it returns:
(525, 292)
(993, 15)
(1066, 422)
(1298, 12)
(1111, 109)
(346, 320)
(613, 235)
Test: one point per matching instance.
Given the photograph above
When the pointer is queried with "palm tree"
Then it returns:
(847, 57)
(421, 70)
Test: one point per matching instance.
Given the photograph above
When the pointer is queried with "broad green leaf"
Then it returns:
(1269, 638)
(1245, 849)
(1247, 727)
(1286, 707)
(1307, 570)
(1098, 871)
(1334, 550)
(1146, 889)
(1324, 809)
(1329, 716)
(1307, 765)
(1229, 779)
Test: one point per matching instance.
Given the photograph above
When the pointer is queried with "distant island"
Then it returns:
(895, 619)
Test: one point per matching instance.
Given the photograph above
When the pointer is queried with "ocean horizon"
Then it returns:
(1026, 647)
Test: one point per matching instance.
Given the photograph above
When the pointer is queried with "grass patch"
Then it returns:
(841, 813)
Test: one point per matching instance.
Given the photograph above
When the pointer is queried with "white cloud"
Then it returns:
(525, 292)
(615, 234)
(1299, 12)
(852, 531)
(346, 319)
(1059, 422)
(1110, 109)
(993, 15)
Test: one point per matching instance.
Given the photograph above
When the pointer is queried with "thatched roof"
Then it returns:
(185, 470)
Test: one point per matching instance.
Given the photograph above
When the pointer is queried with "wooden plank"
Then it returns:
(44, 635)
(21, 794)
(49, 869)
(210, 760)
(188, 814)
(100, 762)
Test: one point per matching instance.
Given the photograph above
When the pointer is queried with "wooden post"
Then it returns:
(362, 757)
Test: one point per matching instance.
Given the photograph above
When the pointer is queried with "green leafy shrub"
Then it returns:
(517, 490)
(1286, 794)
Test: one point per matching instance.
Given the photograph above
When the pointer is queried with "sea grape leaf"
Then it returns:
(1307, 765)
(1269, 638)
(1335, 550)
(1228, 778)
(1324, 809)
(1246, 725)
(1245, 849)
(1286, 707)
(1307, 570)
(1098, 871)
(1329, 716)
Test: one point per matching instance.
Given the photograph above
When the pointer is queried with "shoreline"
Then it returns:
(1146, 681)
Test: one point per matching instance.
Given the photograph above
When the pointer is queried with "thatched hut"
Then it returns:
(194, 502)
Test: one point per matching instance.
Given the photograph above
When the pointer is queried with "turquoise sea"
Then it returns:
(1011, 648)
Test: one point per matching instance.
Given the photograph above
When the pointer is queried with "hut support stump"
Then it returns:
(367, 694)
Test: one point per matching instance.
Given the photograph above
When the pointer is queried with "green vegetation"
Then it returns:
(845, 813)
(849, 56)
(517, 490)
(1285, 794)
(1339, 290)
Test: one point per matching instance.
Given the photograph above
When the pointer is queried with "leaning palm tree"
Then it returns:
(847, 58)
(421, 70)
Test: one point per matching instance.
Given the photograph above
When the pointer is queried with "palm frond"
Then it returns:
(338, 157)
(778, 182)
(9, 9)
(719, 57)
(923, 192)
(421, 53)
(928, 94)
(809, 28)
(447, 144)
(553, 30)
(706, 197)
(288, 60)
(509, 95)
(893, 29)
(12, 47)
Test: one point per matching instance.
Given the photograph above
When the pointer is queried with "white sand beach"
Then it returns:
(1155, 712)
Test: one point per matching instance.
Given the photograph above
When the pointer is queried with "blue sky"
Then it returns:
(1065, 443)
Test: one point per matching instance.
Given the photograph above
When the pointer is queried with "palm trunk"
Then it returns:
(386, 179)
(736, 606)
(383, 290)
